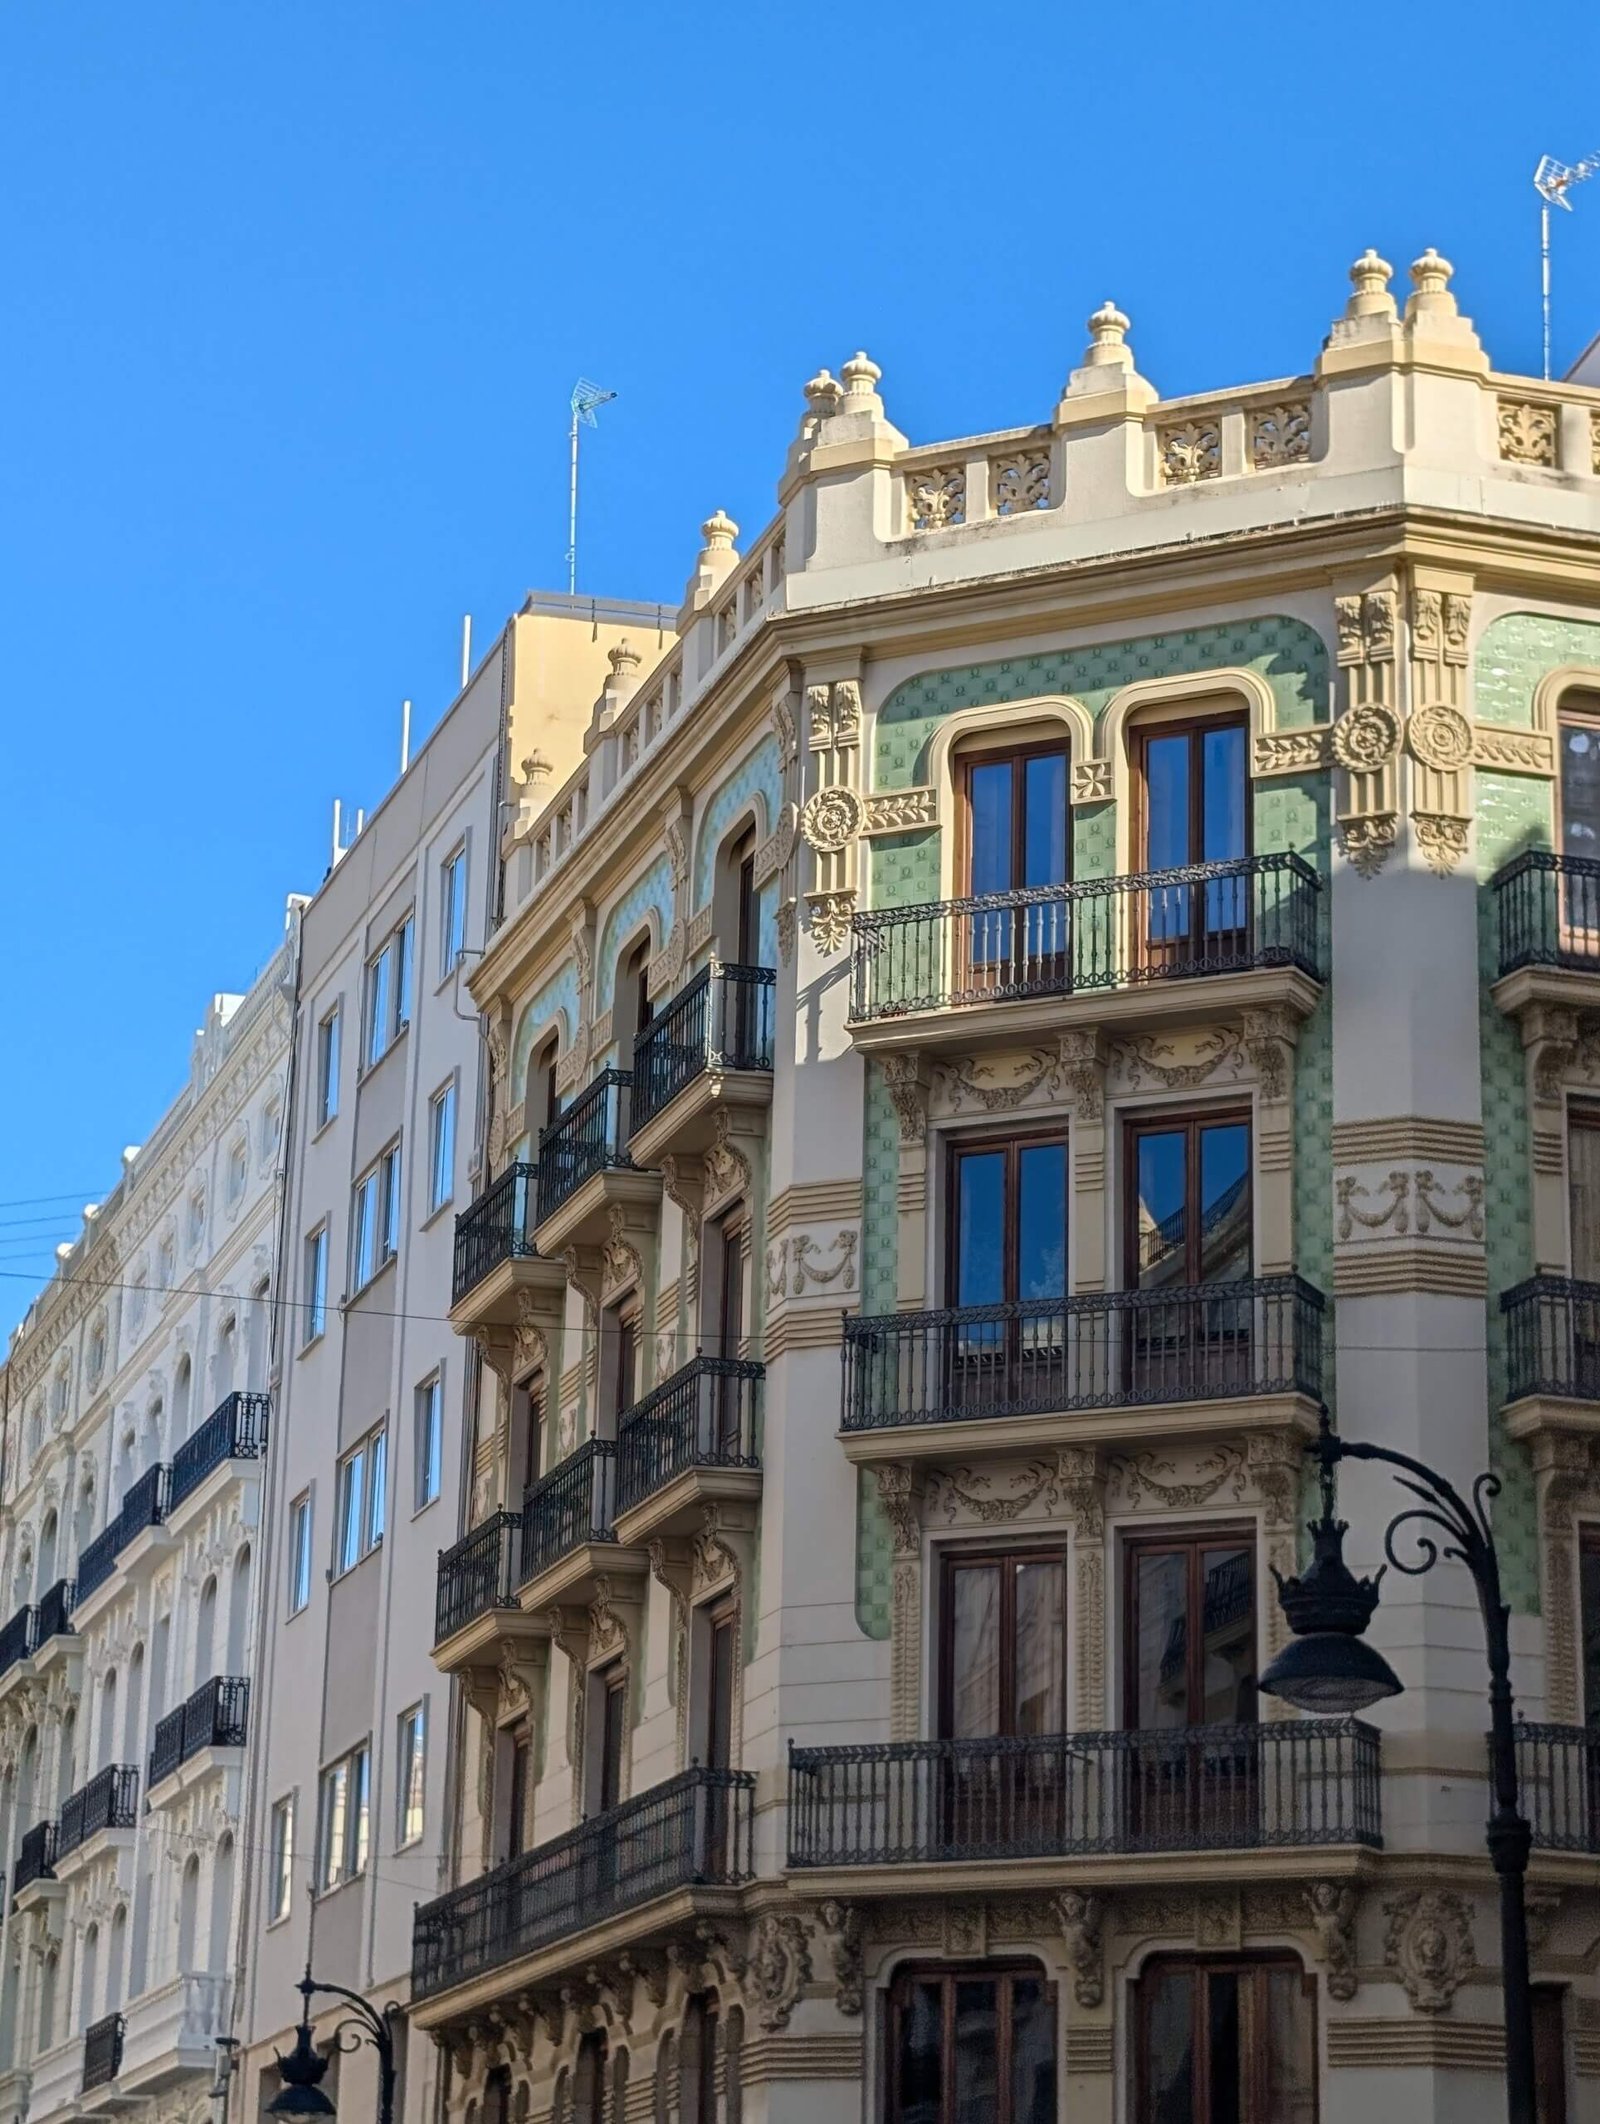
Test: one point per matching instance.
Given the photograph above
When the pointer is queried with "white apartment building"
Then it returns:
(352, 1749)
(136, 1422)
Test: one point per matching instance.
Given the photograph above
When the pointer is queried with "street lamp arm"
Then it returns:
(376, 2024)
(1469, 1538)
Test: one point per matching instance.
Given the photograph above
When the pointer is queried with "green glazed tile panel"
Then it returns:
(880, 1236)
(756, 775)
(651, 893)
(557, 999)
(1515, 653)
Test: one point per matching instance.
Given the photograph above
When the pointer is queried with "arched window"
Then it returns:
(182, 1380)
(132, 1727)
(45, 1572)
(160, 1666)
(630, 1008)
(117, 1960)
(127, 1466)
(89, 1978)
(221, 1905)
(66, 1767)
(83, 1517)
(205, 1632)
(188, 1916)
(735, 920)
(239, 1615)
(108, 1719)
(225, 1363)
(542, 1102)
(47, 2000)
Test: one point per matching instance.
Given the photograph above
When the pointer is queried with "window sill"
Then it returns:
(351, 1880)
(349, 1570)
(323, 1127)
(377, 1276)
(311, 1342)
(418, 1510)
(437, 1212)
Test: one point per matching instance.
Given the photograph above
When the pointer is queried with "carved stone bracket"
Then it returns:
(1080, 1917)
(1331, 1906)
(906, 1077)
(1365, 740)
(1427, 1943)
(841, 1923)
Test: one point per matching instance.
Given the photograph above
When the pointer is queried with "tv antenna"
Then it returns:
(586, 398)
(1552, 181)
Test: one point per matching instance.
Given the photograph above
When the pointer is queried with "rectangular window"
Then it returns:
(1227, 2039)
(977, 2043)
(328, 1068)
(411, 1774)
(342, 1819)
(280, 1888)
(361, 1501)
(377, 1488)
(300, 1553)
(316, 1310)
(453, 928)
(1583, 1192)
(441, 1147)
(1589, 1608)
(1549, 2054)
(388, 1008)
(430, 1440)
(375, 1219)
(1191, 795)
(1008, 1252)
(1014, 840)
(1189, 1209)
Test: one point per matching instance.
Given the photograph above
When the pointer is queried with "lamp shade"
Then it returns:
(302, 2073)
(1330, 1673)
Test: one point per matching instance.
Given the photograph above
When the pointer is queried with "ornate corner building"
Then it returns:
(1082, 950)
(138, 1417)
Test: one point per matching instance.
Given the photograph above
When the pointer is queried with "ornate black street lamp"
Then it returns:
(302, 2071)
(1327, 1667)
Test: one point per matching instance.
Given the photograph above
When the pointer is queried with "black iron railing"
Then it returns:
(497, 1227)
(36, 1857)
(102, 2051)
(1209, 1342)
(722, 1019)
(1553, 1338)
(235, 1430)
(215, 1716)
(1104, 933)
(98, 1560)
(704, 1416)
(590, 1137)
(1200, 1788)
(110, 1800)
(1558, 1773)
(693, 1831)
(478, 1574)
(571, 1506)
(1547, 908)
(144, 1505)
(16, 1639)
(54, 1615)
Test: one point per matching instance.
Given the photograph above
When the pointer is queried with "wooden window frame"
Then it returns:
(1012, 1141)
(996, 1971)
(953, 1559)
(991, 754)
(1190, 727)
(1163, 1122)
(1200, 1966)
(1195, 1539)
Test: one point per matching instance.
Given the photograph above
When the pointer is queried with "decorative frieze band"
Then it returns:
(1407, 1136)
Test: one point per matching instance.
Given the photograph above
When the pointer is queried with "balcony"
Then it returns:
(1552, 1326)
(16, 1639)
(1558, 1771)
(1061, 1800)
(476, 1602)
(235, 1430)
(1547, 931)
(1107, 1366)
(53, 1616)
(216, 1716)
(569, 1535)
(144, 1506)
(666, 1846)
(172, 2032)
(36, 1858)
(709, 1048)
(1167, 945)
(585, 1165)
(692, 1440)
(495, 1257)
(110, 1800)
(102, 2051)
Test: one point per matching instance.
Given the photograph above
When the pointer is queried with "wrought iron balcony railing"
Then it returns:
(1109, 1349)
(590, 1137)
(143, 1505)
(36, 1857)
(215, 1716)
(16, 1639)
(722, 1019)
(1553, 1339)
(235, 1430)
(1547, 911)
(1200, 1788)
(477, 1574)
(497, 1227)
(110, 1800)
(1558, 1771)
(693, 1831)
(53, 1617)
(704, 1416)
(98, 1560)
(1100, 934)
(102, 2051)
(571, 1506)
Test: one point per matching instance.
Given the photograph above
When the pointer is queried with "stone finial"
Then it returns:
(861, 374)
(130, 1151)
(536, 770)
(1370, 276)
(1108, 340)
(823, 394)
(1430, 277)
(624, 659)
(719, 532)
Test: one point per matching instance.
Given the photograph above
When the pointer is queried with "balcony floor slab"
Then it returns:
(687, 1124)
(583, 1218)
(493, 1299)
(571, 1578)
(481, 1642)
(1103, 1871)
(1141, 1423)
(676, 1508)
(1537, 1415)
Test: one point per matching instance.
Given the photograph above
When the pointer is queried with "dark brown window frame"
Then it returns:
(950, 1974)
(1012, 1140)
(1574, 718)
(1195, 1538)
(1202, 1965)
(954, 1558)
(983, 753)
(1162, 1121)
(1141, 735)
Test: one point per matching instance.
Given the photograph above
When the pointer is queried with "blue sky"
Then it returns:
(295, 292)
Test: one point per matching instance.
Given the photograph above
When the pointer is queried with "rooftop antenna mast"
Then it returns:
(1552, 181)
(586, 397)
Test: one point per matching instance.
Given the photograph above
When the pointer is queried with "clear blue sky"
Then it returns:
(295, 292)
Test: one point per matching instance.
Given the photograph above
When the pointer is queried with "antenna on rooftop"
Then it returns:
(405, 735)
(586, 397)
(1552, 181)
